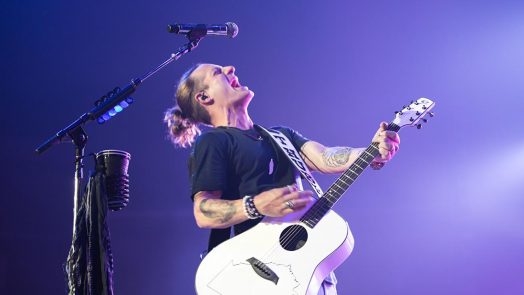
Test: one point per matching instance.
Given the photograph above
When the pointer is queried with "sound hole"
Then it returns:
(293, 237)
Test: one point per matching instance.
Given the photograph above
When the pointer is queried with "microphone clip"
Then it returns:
(197, 33)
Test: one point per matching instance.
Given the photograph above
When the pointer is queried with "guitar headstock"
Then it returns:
(412, 114)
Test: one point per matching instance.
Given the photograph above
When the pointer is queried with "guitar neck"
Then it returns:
(342, 184)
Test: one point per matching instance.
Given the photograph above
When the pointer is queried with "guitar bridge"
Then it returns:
(263, 270)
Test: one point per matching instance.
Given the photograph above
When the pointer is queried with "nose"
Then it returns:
(229, 70)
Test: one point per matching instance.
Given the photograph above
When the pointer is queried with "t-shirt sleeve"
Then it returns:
(209, 163)
(297, 139)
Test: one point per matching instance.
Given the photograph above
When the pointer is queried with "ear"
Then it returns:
(203, 98)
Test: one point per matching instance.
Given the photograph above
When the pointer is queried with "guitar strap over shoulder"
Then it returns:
(218, 236)
(294, 157)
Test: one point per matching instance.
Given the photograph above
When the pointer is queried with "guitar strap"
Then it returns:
(328, 286)
(289, 150)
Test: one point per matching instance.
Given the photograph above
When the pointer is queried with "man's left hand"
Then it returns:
(388, 143)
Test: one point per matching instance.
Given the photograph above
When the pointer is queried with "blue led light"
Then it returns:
(124, 104)
(115, 110)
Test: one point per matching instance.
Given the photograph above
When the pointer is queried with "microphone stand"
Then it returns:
(75, 133)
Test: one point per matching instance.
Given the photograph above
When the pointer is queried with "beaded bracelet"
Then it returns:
(249, 208)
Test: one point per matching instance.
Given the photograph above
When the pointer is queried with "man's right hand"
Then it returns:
(281, 201)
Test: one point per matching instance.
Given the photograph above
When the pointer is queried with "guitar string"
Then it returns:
(320, 212)
(317, 214)
(371, 150)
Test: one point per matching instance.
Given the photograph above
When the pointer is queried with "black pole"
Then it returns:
(79, 138)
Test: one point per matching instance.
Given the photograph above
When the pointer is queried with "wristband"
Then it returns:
(249, 208)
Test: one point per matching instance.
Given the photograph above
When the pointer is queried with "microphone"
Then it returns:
(229, 29)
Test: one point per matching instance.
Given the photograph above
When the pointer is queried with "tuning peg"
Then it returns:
(424, 107)
(417, 113)
(411, 119)
(431, 114)
(424, 120)
(419, 126)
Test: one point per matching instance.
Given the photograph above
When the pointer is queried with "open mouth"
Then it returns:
(235, 84)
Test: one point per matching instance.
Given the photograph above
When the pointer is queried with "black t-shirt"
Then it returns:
(239, 163)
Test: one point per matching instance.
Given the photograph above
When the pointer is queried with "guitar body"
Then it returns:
(265, 260)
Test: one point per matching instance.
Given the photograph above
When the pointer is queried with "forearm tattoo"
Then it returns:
(336, 156)
(221, 210)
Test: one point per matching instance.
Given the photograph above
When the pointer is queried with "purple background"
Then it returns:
(444, 217)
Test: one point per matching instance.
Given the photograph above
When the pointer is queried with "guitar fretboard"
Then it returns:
(341, 185)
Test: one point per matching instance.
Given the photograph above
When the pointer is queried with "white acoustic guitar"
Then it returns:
(293, 254)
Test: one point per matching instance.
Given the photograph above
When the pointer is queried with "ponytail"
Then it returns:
(184, 118)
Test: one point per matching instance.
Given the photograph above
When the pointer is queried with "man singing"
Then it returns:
(234, 165)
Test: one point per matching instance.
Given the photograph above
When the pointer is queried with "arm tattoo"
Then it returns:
(222, 210)
(336, 156)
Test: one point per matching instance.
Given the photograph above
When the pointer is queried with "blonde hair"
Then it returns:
(184, 118)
